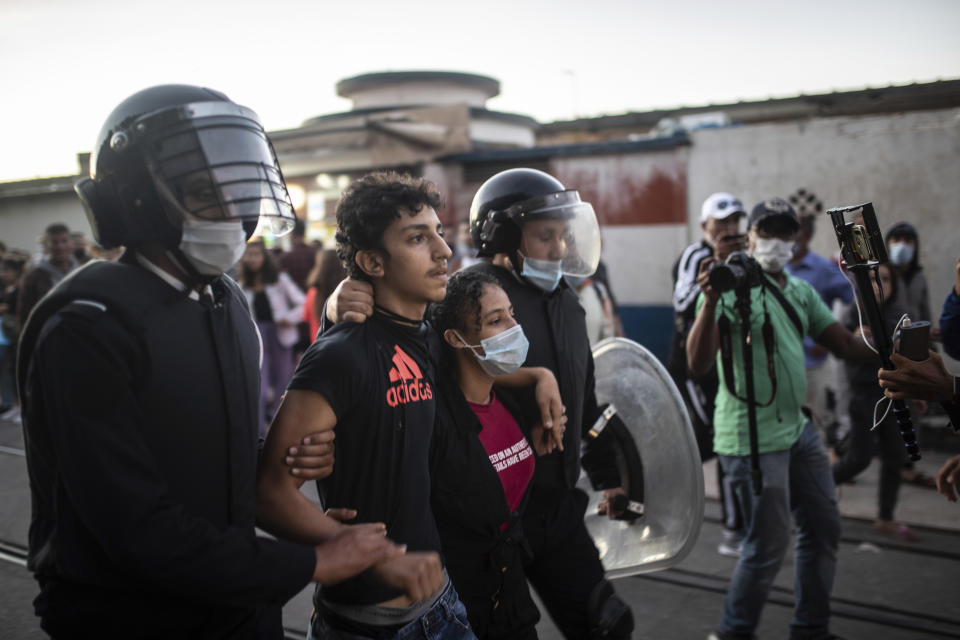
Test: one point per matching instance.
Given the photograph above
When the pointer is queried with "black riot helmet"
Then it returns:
(511, 199)
(173, 151)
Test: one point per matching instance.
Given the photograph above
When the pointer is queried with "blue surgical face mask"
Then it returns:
(576, 281)
(504, 352)
(901, 253)
(545, 274)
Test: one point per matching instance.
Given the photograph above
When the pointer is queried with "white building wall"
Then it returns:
(639, 259)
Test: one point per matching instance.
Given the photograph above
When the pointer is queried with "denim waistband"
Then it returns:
(379, 616)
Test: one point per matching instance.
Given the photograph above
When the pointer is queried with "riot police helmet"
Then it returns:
(510, 200)
(173, 153)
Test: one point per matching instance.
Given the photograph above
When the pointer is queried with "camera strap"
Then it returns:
(789, 308)
(726, 353)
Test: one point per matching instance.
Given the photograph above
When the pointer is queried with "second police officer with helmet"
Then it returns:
(537, 231)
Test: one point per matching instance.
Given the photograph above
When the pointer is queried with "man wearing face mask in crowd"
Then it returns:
(793, 461)
(139, 385)
(720, 218)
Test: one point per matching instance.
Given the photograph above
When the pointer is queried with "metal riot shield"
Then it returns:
(663, 474)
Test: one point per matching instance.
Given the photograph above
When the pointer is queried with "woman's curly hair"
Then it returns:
(461, 304)
(370, 204)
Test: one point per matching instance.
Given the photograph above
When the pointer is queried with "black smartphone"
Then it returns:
(915, 341)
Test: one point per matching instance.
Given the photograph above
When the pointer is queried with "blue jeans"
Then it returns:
(797, 481)
(447, 620)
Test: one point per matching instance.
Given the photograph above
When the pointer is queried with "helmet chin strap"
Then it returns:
(514, 258)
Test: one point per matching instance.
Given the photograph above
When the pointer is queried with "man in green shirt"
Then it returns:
(796, 471)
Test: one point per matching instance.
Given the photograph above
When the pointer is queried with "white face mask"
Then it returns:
(504, 352)
(773, 254)
(213, 247)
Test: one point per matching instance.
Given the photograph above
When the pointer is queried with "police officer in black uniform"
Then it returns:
(139, 384)
(536, 231)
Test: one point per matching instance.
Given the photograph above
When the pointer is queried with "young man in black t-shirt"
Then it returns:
(373, 383)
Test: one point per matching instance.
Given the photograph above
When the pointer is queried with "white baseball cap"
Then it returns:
(720, 205)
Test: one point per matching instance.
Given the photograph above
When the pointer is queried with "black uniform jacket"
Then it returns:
(141, 438)
(469, 506)
(555, 325)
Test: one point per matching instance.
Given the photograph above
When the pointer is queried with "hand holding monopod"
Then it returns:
(862, 249)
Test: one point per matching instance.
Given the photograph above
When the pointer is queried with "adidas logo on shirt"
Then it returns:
(407, 380)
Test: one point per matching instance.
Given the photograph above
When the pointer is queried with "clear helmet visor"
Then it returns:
(213, 161)
(560, 227)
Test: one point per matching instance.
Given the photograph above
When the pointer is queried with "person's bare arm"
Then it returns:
(281, 508)
(285, 512)
(703, 341)
(844, 344)
(547, 394)
(352, 551)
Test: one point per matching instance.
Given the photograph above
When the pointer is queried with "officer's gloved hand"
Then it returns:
(351, 301)
(617, 505)
(612, 505)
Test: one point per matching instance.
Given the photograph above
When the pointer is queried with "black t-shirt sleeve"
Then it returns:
(334, 367)
(83, 419)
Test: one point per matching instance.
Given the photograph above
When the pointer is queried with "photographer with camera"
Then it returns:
(784, 450)
(721, 218)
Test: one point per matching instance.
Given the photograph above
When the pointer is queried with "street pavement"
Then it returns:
(885, 589)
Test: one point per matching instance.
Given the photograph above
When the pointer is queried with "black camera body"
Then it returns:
(739, 271)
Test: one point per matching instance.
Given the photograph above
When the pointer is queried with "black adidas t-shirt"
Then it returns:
(378, 377)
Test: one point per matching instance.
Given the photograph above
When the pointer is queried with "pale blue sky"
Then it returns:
(66, 63)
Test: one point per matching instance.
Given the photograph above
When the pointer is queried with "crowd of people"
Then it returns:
(438, 390)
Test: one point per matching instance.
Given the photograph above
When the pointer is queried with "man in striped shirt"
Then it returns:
(721, 219)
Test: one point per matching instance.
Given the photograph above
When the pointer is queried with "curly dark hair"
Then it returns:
(461, 304)
(370, 204)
